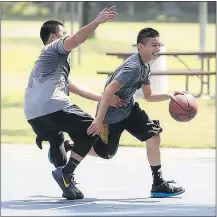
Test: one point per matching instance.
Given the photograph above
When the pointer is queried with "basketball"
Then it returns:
(183, 107)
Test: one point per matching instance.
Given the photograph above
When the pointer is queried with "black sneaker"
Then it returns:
(67, 184)
(166, 189)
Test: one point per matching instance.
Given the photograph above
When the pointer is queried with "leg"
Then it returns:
(78, 153)
(69, 146)
(160, 187)
(153, 150)
(74, 122)
(44, 132)
(57, 150)
(92, 153)
(154, 158)
(60, 153)
(144, 129)
(107, 144)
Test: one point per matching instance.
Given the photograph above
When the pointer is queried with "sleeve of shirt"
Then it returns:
(126, 74)
(59, 46)
(147, 80)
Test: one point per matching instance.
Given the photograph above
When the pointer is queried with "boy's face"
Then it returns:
(149, 48)
(62, 32)
(59, 34)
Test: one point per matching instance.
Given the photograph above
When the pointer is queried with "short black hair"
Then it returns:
(50, 26)
(147, 33)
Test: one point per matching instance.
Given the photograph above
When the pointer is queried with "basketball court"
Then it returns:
(116, 187)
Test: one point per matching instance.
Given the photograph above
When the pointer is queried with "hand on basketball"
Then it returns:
(177, 93)
(117, 102)
(180, 92)
(95, 127)
(106, 14)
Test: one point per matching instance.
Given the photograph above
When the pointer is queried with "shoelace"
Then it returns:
(72, 179)
(73, 182)
(170, 182)
(172, 187)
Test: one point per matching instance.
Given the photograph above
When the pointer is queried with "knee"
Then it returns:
(57, 150)
(103, 150)
(92, 153)
(157, 140)
(154, 142)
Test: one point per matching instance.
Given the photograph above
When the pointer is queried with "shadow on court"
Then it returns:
(92, 206)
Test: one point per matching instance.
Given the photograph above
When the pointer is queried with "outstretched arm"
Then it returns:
(115, 101)
(151, 97)
(83, 92)
(86, 31)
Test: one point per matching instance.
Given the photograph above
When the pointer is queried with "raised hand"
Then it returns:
(178, 93)
(107, 14)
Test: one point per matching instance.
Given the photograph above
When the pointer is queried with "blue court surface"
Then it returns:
(117, 187)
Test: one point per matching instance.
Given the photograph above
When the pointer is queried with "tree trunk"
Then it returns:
(131, 8)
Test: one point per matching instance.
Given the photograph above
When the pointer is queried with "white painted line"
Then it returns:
(72, 205)
(55, 208)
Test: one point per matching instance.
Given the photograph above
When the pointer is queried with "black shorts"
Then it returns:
(138, 124)
(73, 121)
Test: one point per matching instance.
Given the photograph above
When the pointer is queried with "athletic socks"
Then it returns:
(157, 175)
(70, 166)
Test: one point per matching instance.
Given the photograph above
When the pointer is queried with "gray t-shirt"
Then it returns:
(47, 89)
(132, 74)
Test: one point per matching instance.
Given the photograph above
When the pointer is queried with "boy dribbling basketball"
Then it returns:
(110, 122)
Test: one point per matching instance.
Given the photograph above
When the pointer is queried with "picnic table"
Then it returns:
(200, 73)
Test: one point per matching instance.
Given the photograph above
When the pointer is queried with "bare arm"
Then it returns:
(109, 92)
(86, 31)
(83, 92)
(150, 97)
(115, 101)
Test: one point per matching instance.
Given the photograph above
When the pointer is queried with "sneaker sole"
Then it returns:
(162, 195)
(65, 196)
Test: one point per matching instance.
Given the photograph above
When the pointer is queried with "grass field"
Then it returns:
(21, 46)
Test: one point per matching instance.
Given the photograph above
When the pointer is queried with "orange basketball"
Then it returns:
(183, 107)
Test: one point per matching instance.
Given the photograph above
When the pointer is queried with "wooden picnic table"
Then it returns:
(189, 72)
(201, 55)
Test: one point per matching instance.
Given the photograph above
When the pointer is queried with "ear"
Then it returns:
(52, 36)
(139, 46)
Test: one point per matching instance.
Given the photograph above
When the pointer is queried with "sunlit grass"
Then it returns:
(23, 49)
